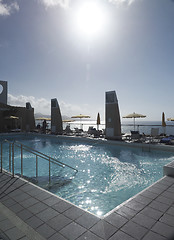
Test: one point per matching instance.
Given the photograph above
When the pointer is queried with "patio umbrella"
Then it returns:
(163, 122)
(170, 119)
(134, 115)
(67, 121)
(44, 122)
(98, 121)
(43, 118)
(80, 116)
(11, 117)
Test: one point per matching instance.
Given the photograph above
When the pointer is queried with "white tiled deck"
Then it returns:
(28, 212)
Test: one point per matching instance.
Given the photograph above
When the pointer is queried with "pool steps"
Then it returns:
(36, 153)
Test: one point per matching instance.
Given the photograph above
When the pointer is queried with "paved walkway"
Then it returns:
(28, 212)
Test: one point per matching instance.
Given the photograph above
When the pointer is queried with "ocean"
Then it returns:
(127, 126)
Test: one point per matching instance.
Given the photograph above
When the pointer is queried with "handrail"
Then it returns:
(32, 151)
(46, 157)
(38, 154)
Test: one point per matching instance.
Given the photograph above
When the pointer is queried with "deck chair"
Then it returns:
(154, 132)
(154, 135)
(135, 135)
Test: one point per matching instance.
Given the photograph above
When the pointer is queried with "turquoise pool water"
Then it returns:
(107, 175)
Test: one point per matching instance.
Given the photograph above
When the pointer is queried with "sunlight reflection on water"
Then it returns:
(107, 175)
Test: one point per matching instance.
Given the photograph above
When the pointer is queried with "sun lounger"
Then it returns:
(135, 135)
(167, 140)
(154, 132)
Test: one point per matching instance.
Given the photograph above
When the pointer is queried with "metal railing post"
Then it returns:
(13, 159)
(49, 171)
(44, 156)
(9, 157)
(1, 157)
(14, 145)
(36, 168)
(21, 161)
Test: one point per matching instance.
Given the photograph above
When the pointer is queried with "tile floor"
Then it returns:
(28, 212)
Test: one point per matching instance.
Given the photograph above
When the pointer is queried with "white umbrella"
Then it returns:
(163, 122)
(43, 118)
(170, 119)
(98, 121)
(134, 115)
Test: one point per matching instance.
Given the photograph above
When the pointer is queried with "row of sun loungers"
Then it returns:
(134, 136)
(154, 137)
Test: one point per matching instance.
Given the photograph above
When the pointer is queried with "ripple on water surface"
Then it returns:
(107, 175)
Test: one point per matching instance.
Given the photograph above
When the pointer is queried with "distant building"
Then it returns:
(56, 118)
(20, 118)
(112, 116)
(11, 117)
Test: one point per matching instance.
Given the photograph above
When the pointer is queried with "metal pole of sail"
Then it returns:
(13, 159)
(36, 168)
(9, 157)
(49, 171)
(21, 161)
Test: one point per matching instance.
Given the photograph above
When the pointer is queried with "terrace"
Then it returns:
(29, 212)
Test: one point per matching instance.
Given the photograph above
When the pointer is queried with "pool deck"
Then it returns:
(29, 212)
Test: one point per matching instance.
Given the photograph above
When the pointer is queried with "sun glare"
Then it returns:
(89, 19)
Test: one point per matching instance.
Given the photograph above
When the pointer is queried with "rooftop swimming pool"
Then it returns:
(107, 174)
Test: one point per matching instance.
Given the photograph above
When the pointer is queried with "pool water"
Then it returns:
(107, 175)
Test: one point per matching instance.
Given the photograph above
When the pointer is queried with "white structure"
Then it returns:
(3, 92)
(30, 121)
(56, 118)
(112, 116)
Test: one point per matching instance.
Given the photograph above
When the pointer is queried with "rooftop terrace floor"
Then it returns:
(29, 212)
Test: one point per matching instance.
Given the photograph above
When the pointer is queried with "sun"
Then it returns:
(90, 19)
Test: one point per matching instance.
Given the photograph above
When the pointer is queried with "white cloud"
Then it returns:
(71, 109)
(42, 105)
(7, 9)
(52, 3)
(128, 2)
(66, 3)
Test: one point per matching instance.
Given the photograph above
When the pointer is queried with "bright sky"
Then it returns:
(76, 50)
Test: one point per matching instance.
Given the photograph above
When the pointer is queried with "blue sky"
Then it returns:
(43, 55)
